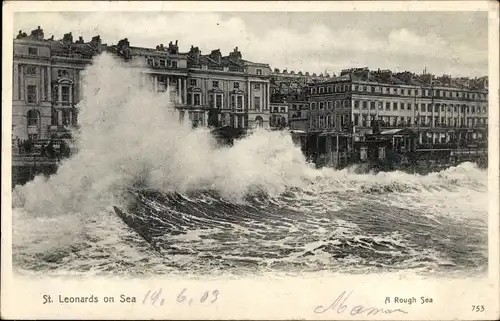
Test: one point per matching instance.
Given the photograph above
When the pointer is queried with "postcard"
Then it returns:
(250, 160)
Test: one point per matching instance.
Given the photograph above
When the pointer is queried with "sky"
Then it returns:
(453, 43)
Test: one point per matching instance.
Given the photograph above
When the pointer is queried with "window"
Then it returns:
(33, 118)
(321, 105)
(365, 103)
(257, 103)
(408, 106)
(236, 85)
(259, 72)
(33, 51)
(313, 90)
(192, 82)
(372, 105)
(282, 109)
(395, 91)
(356, 104)
(330, 89)
(394, 106)
(436, 108)
(65, 93)
(31, 93)
(239, 102)
(197, 99)
(31, 70)
(218, 101)
(163, 63)
(373, 89)
(330, 105)
(149, 61)
(387, 105)
(337, 104)
(422, 107)
(346, 103)
(215, 84)
(257, 87)
(429, 108)
(233, 101)
(321, 90)
(355, 87)
(174, 64)
(66, 117)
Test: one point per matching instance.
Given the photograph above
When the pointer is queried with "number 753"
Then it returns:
(478, 308)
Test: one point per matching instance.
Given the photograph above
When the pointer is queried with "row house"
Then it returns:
(358, 98)
(212, 90)
(226, 90)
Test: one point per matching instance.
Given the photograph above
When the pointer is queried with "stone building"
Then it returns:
(227, 90)
(46, 78)
(440, 110)
(208, 89)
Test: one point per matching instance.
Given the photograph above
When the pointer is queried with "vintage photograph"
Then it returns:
(250, 143)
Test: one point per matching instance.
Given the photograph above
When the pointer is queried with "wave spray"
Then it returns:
(255, 205)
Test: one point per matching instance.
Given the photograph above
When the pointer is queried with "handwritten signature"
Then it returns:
(340, 306)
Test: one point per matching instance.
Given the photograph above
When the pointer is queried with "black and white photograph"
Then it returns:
(250, 143)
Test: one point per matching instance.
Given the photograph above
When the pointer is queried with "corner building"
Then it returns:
(441, 110)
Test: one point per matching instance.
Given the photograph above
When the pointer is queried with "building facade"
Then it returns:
(208, 90)
(440, 110)
(46, 83)
(279, 116)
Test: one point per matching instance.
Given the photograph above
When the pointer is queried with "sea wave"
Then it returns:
(190, 205)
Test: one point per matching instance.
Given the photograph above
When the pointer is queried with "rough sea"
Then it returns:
(186, 206)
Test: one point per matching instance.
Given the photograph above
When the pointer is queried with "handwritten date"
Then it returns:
(156, 297)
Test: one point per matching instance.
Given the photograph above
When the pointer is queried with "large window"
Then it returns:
(257, 103)
(218, 101)
(31, 93)
(197, 99)
(65, 93)
(239, 102)
(33, 51)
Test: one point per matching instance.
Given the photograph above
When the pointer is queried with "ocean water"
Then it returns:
(186, 206)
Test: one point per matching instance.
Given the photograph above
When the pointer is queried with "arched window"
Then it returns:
(33, 117)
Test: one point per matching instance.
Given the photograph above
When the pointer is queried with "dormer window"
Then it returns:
(149, 61)
(258, 72)
(163, 63)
